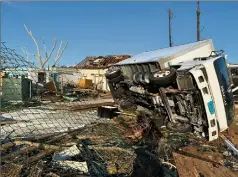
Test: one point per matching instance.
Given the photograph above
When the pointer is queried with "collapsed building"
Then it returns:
(95, 67)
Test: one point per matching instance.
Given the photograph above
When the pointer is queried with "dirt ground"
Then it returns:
(209, 159)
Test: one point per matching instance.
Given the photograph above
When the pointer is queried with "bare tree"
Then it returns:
(26, 54)
(47, 54)
(60, 52)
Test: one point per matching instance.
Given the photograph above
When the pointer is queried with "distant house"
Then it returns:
(95, 67)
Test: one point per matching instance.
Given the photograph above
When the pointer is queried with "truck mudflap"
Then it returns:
(208, 103)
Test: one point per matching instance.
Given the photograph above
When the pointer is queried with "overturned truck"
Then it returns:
(185, 87)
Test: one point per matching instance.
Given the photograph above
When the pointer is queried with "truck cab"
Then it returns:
(214, 83)
(191, 95)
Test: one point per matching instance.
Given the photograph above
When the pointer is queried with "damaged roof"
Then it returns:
(164, 53)
(96, 62)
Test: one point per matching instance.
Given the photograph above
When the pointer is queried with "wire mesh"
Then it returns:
(48, 130)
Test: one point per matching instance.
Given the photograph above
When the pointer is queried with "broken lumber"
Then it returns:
(84, 107)
(38, 145)
(40, 155)
(109, 149)
(7, 122)
(96, 139)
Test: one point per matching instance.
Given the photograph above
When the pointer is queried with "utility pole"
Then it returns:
(170, 14)
(198, 21)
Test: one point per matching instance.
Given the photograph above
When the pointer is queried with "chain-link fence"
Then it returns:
(49, 130)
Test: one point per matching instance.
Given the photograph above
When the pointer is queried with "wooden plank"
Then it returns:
(38, 145)
(191, 167)
(85, 107)
(40, 155)
(7, 122)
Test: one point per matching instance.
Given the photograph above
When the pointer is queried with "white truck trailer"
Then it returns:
(186, 87)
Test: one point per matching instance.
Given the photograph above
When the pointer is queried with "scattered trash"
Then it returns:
(71, 98)
(67, 153)
(227, 153)
(230, 145)
(79, 166)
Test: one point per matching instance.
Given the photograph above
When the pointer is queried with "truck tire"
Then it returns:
(146, 78)
(107, 111)
(163, 77)
(136, 77)
(113, 74)
(179, 127)
(117, 79)
(140, 78)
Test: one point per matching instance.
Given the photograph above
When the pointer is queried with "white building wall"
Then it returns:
(70, 78)
(33, 75)
(97, 76)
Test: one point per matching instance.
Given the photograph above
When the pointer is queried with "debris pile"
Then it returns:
(128, 145)
(101, 61)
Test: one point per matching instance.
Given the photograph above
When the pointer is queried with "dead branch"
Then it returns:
(37, 46)
(60, 52)
(26, 54)
(109, 149)
(48, 56)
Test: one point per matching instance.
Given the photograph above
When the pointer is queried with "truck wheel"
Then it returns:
(113, 74)
(117, 79)
(135, 77)
(179, 127)
(146, 78)
(107, 111)
(163, 77)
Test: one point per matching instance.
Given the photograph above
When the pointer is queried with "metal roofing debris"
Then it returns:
(95, 62)
(156, 55)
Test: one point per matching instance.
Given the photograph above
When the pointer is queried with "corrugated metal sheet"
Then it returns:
(156, 55)
(97, 62)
